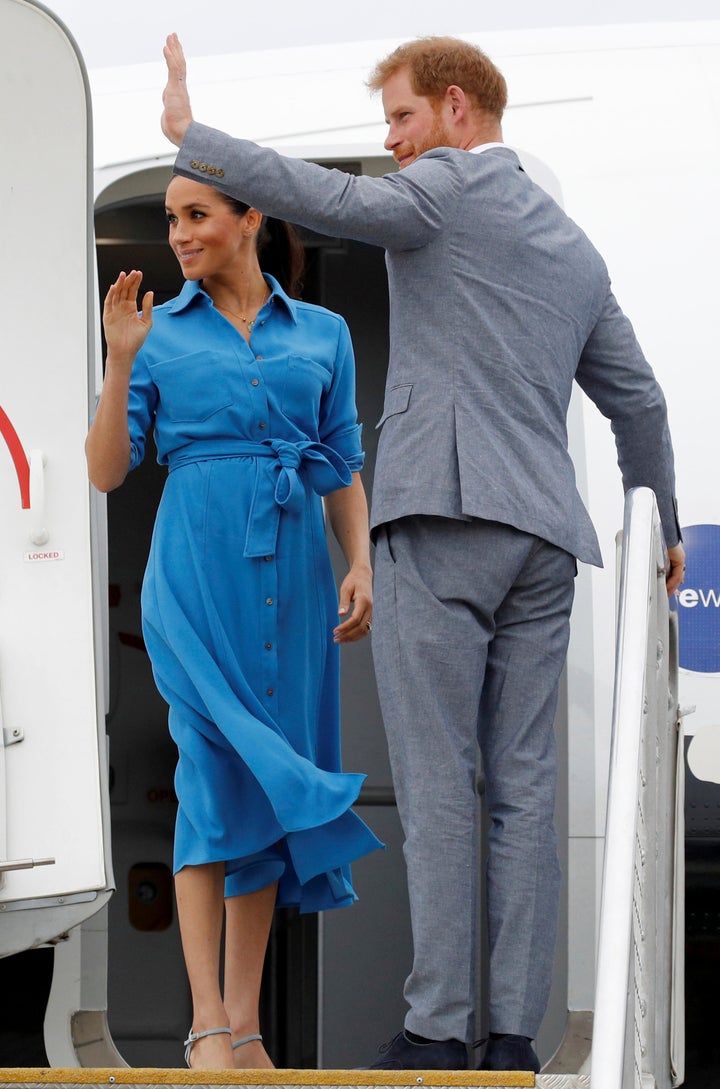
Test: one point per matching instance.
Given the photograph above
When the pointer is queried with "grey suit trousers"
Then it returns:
(471, 625)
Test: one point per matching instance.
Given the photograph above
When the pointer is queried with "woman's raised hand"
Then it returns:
(125, 328)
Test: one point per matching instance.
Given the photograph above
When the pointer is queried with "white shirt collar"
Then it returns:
(485, 147)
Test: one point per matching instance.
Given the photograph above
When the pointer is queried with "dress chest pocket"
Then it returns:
(192, 387)
(306, 381)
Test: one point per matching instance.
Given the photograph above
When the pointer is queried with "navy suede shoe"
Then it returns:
(510, 1052)
(402, 1054)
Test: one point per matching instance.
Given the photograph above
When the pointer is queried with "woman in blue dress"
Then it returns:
(250, 395)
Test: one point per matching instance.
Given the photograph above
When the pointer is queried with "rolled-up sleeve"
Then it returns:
(142, 404)
(338, 426)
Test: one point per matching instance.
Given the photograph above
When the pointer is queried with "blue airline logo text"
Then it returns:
(699, 601)
(708, 598)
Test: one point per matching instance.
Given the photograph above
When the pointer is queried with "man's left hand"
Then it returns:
(176, 115)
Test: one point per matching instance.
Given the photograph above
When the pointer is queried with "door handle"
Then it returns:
(38, 533)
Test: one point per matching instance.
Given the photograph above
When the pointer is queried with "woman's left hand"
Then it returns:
(356, 591)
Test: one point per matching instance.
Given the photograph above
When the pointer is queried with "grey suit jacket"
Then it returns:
(497, 302)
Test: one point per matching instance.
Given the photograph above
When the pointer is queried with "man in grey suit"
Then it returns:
(497, 303)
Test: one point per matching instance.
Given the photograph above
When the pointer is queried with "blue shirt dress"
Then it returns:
(239, 600)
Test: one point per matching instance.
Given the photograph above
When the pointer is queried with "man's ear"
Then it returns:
(456, 99)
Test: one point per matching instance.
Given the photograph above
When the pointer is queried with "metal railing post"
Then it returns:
(633, 998)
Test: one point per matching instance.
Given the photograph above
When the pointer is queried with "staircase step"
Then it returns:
(144, 1077)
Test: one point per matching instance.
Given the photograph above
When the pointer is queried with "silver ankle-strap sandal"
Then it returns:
(246, 1040)
(193, 1037)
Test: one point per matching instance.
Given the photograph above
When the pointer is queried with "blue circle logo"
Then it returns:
(699, 601)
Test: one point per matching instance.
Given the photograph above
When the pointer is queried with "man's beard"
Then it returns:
(439, 136)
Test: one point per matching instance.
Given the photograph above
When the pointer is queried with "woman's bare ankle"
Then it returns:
(211, 1053)
(251, 1055)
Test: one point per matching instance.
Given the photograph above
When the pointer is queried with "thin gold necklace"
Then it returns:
(248, 321)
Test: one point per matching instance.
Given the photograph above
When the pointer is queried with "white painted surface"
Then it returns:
(47, 665)
(703, 755)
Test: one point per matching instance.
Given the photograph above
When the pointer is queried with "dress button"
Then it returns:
(268, 646)
(271, 691)
(255, 382)
(258, 357)
(268, 601)
(262, 426)
(267, 559)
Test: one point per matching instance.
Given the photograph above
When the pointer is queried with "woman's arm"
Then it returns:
(348, 513)
(107, 447)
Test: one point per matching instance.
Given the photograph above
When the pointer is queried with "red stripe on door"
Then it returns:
(22, 466)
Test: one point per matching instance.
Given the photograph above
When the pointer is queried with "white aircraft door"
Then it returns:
(55, 866)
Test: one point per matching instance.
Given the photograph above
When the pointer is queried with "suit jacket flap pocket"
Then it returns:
(397, 400)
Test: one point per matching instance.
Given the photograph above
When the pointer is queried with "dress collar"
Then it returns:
(192, 292)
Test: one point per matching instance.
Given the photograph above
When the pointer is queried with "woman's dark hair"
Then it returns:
(280, 251)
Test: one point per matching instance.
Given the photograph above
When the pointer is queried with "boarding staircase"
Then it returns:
(637, 1029)
(638, 1036)
(638, 1023)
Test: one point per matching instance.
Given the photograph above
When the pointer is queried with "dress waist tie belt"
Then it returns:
(278, 484)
